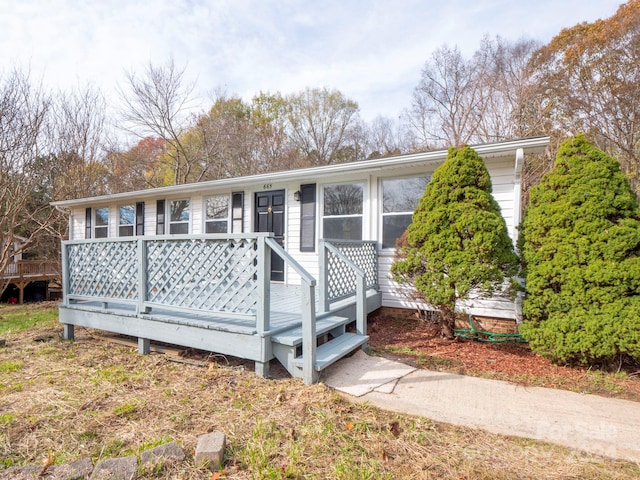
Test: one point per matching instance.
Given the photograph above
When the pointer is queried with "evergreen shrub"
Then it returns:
(581, 246)
(457, 243)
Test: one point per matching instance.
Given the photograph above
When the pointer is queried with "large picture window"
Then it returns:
(101, 224)
(179, 216)
(216, 211)
(126, 220)
(400, 197)
(342, 211)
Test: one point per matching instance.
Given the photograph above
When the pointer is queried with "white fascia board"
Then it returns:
(434, 157)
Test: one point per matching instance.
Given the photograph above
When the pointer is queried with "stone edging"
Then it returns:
(209, 453)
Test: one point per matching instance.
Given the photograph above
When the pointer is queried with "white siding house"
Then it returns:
(370, 200)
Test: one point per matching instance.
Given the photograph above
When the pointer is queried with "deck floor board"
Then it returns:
(286, 312)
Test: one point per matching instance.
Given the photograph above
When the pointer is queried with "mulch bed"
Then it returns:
(417, 342)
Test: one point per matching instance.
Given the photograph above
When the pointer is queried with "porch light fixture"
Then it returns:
(296, 195)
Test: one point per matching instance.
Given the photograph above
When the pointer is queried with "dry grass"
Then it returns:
(100, 399)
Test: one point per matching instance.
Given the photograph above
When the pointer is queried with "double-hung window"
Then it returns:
(179, 216)
(101, 223)
(216, 211)
(126, 220)
(400, 197)
(342, 217)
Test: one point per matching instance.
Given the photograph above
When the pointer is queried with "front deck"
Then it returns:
(213, 293)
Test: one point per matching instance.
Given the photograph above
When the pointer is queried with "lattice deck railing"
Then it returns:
(340, 277)
(218, 275)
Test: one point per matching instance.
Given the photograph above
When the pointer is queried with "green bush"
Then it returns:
(457, 242)
(581, 260)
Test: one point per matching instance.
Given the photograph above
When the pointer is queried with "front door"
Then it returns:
(270, 218)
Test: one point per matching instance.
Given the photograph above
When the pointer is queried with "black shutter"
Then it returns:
(160, 217)
(237, 212)
(87, 223)
(308, 218)
(140, 218)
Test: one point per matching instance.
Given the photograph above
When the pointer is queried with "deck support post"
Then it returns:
(21, 286)
(68, 331)
(144, 346)
(262, 369)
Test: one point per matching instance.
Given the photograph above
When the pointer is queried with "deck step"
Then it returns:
(334, 350)
(293, 337)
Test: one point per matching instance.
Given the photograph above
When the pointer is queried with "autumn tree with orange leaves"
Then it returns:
(589, 81)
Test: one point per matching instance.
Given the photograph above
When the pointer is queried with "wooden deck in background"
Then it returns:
(24, 272)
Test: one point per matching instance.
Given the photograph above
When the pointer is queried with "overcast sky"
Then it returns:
(372, 51)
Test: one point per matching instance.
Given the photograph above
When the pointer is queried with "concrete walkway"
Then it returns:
(599, 425)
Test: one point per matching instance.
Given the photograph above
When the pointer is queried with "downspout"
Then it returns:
(517, 193)
(517, 215)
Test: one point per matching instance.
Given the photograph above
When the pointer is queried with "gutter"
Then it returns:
(528, 145)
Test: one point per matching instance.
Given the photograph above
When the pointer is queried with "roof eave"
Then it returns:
(528, 145)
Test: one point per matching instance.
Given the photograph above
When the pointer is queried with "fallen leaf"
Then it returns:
(349, 426)
(395, 428)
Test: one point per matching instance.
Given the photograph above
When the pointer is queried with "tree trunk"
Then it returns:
(447, 323)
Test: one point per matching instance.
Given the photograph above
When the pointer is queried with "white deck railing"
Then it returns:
(225, 276)
(215, 274)
(348, 267)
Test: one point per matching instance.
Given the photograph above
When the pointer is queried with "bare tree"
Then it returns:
(23, 114)
(157, 105)
(324, 126)
(449, 100)
(76, 137)
(488, 97)
(510, 107)
(387, 137)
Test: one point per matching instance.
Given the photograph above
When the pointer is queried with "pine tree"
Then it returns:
(582, 264)
(457, 243)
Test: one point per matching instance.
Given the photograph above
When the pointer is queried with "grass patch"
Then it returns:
(101, 401)
(11, 365)
(16, 318)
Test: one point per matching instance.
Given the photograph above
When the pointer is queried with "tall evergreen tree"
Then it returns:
(582, 258)
(457, 243)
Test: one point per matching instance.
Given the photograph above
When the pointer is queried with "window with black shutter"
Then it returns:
(308, 218)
